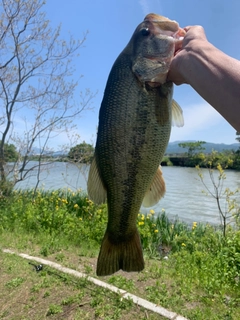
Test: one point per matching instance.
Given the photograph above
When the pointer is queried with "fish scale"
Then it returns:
(134, 129)
(133, 117)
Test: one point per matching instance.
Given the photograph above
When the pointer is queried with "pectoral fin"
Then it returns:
(177, 115)
(96, 190)
(156, 190)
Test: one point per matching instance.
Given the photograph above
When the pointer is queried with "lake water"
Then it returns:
(184, 197)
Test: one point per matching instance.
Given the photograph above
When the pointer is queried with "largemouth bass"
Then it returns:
(135, 120)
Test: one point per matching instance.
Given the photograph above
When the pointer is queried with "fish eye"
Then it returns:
(145, 31)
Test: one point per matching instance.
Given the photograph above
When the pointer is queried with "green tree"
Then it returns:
(10, 153)
(193, 147)
(237, 153)
(238, 136)
(82, 153)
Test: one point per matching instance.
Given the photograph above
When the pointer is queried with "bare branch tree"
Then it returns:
(225, 198)
(36, 84)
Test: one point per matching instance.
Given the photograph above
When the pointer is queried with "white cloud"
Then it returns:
(199, 119)
(149, 6)
(144, 6)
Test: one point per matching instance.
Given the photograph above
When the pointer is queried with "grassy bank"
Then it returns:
(193, 271)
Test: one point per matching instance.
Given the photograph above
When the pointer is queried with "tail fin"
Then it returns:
(127, 256)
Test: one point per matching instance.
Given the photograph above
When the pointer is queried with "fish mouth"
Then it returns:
(178, 39)
(174, 36)
(163, 39)
(166, 28)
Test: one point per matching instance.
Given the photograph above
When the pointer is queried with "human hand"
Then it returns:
(193, 40)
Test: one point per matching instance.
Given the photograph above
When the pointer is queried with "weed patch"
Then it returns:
(192, 270)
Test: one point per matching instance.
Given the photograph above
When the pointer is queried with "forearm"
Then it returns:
(216, 77)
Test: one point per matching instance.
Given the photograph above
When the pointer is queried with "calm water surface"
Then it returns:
(184, 197)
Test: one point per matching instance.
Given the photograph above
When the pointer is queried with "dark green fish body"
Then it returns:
(135, 122)
(133, 135)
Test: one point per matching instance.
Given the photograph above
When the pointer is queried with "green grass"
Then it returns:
(193, 271)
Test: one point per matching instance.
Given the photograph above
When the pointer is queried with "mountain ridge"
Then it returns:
(173, 147)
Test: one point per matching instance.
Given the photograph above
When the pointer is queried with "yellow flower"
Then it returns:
(152, 211)
(220, 169)
(140, 223)
(143, 217)
(80, 219)
(156, 231)
(183, 245)
(76, 206)
(90, 202)
(194, 225)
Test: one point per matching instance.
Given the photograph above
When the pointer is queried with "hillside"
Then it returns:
(209, 146)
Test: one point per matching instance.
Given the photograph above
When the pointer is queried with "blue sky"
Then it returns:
(110, 24)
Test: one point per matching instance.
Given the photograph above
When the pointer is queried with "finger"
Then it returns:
(178, 46)
(187, 28)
